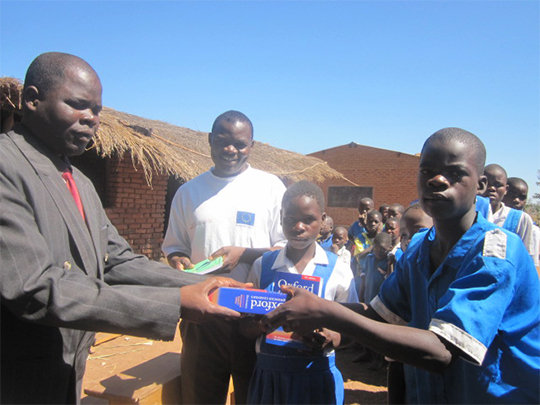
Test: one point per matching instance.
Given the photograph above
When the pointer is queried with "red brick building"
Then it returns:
(136, 208)
(384, 175)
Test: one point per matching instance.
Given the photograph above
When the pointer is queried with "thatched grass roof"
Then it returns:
(169, 149)
(10, 94)
(164, 148)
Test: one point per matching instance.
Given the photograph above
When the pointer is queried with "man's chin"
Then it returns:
(75, 151)
(229, 171)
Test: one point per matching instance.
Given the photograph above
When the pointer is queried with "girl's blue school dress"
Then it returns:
(287, 375)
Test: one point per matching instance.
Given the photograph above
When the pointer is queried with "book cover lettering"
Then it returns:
(279, 337)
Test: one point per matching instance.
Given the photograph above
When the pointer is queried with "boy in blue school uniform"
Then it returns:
(463, 299)
(363, 243)
(374, 268)
(516, 194)
(516, 198)
(508, 218)
(300, 373)
(325, 235)
(393, 228)
(358, 227)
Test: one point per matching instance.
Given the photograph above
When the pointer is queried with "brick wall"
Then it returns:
(136, 209)
(391, 174)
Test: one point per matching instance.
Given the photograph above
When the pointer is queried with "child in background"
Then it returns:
(325, 235)
(363, 242)
(359, 226)
(339, 242)
(516, 194)
(414, 219)
(396, 211)
(508, 218)
(374, 267)
(463, 301)
(516, 197)
(289, 375)
(392, 228)
(383, 209)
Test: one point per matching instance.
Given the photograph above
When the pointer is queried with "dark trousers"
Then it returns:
(211, 353)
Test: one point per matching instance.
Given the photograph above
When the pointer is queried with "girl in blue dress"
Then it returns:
(300, 369)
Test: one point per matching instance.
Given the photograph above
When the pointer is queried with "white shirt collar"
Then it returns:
(282, 260)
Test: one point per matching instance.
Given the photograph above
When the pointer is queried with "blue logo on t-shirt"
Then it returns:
(245, 218)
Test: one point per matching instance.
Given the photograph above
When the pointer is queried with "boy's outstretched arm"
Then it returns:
(305, 312)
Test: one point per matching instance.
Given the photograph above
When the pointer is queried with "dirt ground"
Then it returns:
(118, 360)
(362, 386)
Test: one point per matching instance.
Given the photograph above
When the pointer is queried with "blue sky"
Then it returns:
(310, 74)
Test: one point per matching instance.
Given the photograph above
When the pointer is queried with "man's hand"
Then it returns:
(232, 255)
(179, 262)
(195, 302)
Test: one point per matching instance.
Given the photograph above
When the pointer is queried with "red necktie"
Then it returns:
(70, 183)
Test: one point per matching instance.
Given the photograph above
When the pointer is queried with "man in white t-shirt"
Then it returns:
(232, 210)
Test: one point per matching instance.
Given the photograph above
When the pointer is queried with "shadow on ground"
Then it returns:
(362, 386)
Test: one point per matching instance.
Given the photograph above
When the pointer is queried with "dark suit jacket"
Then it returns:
(61, 278)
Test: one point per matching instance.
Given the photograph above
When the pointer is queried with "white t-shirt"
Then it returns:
(536, 237)
(210, 212)
(340, 287)
(344, 255)
(524, 229)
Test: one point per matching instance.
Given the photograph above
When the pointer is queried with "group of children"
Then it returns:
(467, 289)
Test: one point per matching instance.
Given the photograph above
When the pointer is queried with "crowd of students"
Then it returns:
(374, 257)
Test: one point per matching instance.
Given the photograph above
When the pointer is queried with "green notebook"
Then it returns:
(207, 266)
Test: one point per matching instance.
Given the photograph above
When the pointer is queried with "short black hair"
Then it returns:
(304, 188)
(465, 137)
(364, 200)
(495, 166)
(516, 181)
(374, 212)
(412, 207)
(341, 228)
(383, 237)
(48, 69)
(392, 219)
(232, 116)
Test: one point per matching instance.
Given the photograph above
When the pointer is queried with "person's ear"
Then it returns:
(482, 185)
(31, 97)
(210, 137)
(252, 143)
(323, 217)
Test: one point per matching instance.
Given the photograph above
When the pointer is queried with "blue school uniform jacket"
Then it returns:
(484, 300)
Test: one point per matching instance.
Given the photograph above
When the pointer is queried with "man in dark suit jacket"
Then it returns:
(65, 273)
